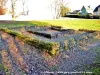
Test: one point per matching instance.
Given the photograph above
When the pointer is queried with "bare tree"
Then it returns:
(25, 7)
(13, 8)
(3, 3)
(56, 7)
(27, 12)
(13, 4)
(23, 4)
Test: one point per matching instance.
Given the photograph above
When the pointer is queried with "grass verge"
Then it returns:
(88, 24)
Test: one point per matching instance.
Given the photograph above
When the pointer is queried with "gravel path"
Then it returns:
(77, 60)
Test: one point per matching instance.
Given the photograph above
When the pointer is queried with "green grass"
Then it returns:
(11, 24)
(76, 24)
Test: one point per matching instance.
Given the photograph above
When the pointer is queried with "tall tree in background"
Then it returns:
(2, 6)
(23, 3)
(25, 7)
(64, 10)
(55, 7)
(59, 8)
(3, 3)
(13, 5)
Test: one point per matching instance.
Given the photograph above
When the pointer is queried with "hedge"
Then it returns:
(83, 16)
(47, 46)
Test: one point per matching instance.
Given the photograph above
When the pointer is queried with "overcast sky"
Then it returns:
(77, 4)
(41, 9)
(74, 4)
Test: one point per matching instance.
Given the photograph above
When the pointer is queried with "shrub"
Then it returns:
(2, 11)
(96, 71)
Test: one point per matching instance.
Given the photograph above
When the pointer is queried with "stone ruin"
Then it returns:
(52, 32)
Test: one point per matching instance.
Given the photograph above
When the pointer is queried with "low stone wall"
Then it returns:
(47, 46)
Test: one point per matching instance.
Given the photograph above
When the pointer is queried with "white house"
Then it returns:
(97, 11)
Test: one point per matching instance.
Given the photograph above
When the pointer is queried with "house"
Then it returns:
(86, 11)
(83, 11)
(75, 12)
(97, 11)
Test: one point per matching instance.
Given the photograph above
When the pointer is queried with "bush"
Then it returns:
(96, 71)
(2, 11)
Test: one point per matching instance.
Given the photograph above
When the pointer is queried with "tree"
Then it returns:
(13, 7)
(25, 7)
(2, 11)
(3, 3)
(23, 4)
(59, 7)
(55, 7)
(64, 10)
(2, 7)
(13, 3)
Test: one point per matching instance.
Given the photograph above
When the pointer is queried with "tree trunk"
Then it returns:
(13, 12)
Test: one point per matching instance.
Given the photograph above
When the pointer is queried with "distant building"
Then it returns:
(97, 11)
(83, 11)
(75, 12)
(86, 11)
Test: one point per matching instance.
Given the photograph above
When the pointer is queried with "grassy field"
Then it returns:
(10, 24)
(76, 23)
(69, 23)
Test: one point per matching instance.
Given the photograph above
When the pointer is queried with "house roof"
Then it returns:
(76, 11)
(96, 9)
(83, 8)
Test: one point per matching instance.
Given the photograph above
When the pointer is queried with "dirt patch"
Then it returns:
(14, 50)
